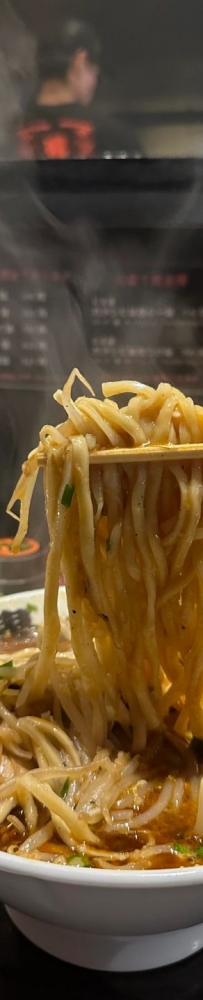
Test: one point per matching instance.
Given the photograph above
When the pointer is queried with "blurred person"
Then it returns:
(59, 122)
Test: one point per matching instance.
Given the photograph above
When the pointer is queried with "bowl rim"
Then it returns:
(96, 878)
(28, 595)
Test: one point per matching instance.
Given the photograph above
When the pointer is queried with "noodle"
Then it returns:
(97, 738)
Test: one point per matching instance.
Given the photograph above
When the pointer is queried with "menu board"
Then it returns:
(142, 330)
(27, 301)
(23, 329)
(137, 321)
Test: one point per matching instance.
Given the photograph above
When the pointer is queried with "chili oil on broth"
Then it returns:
(119, 843)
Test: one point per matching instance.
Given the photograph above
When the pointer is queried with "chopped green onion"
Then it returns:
(182, 849)
(199, 852)
(9, 663)
(197, 747)
(79, 861)
(193, 851)
(108, 544)
(67, 497)
(31, 607)
(6, 667)
(64, 789)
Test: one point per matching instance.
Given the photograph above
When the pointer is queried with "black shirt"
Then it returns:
(69, 130)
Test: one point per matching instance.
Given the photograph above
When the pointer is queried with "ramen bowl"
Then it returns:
(102, 919)
(115, 921)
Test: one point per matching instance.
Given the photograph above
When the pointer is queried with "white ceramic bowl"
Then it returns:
(100, 919)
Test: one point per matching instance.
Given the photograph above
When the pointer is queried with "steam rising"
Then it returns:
(45, 243)
(17, 52)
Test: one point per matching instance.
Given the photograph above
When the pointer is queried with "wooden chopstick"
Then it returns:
(155, 453)
(148, 453)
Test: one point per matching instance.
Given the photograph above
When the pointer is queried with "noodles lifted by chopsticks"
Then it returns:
(129, 540)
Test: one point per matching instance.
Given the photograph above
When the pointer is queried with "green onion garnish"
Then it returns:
(79, 861)
(64, 789)
(31, 607)
(6, 667)
(184, 849)
(67, 497)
